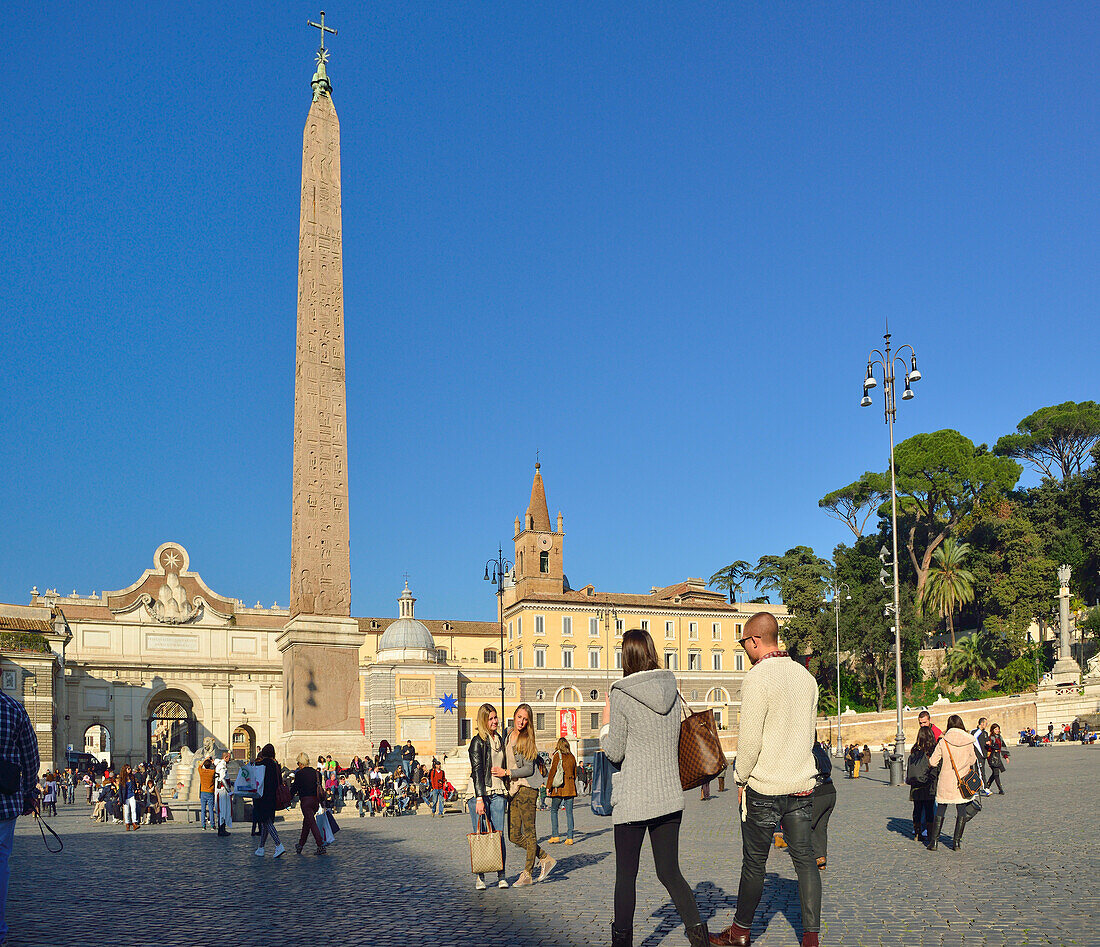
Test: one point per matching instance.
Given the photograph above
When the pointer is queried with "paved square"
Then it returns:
(1027, 875)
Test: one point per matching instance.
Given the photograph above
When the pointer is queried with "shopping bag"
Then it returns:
(249, 781)
(486, 848)
(701, 756)
(332, 823)
(603, 771)
(324, 827)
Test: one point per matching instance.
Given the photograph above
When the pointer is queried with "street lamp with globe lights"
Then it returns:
(495, 571)
(888, 362)
(835, 588)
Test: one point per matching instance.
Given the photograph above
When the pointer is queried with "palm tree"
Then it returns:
(949, 585)
(968, 659)
(732, 577)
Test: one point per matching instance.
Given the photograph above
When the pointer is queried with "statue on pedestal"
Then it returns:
(1065, 670)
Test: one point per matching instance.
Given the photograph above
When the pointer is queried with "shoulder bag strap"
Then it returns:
(44, 828)
(952, 758)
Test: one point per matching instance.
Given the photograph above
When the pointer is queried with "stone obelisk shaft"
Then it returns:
(319, 558)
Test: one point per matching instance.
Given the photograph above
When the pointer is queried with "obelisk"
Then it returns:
(320, 644)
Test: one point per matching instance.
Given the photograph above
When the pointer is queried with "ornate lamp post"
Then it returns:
(499, 568)
(888, 362)
(835, 588)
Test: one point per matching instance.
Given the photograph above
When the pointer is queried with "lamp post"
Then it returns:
(887, 362)
(835, 588)
(495, 570)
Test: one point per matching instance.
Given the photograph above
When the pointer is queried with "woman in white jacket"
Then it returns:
(642, 733)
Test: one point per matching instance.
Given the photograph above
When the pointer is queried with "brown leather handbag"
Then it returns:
(701, 755)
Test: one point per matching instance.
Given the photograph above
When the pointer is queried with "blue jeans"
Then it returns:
(206, 801)
(497, 814)
(7, 836)
(556, 803)
(436, 802)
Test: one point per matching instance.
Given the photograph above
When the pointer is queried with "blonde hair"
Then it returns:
(303, 759)
(525, 739)
(483, 720)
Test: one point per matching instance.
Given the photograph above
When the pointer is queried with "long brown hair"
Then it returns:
(525, 738)
(639, 652)
(926, 741)
(955, 722)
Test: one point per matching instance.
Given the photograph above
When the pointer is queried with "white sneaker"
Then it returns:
(260, 851)
(501, 882)
(987, 792)
(480, 883)
(279, 850)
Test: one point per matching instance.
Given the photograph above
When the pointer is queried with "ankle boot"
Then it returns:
(934, 839)
(622, 938)
(956, 839)
(698, 936)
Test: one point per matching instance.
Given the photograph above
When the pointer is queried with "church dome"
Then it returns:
(406, 639)
(406, 633)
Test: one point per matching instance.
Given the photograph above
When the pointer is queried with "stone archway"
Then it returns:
(97, 742)
(244, 743)
(170, 725)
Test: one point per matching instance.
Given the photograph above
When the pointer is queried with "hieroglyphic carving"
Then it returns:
(319, 558)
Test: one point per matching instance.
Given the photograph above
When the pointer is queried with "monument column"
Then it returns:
(1065, 669)
(320, 643)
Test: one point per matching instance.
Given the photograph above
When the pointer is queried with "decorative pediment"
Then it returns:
(171, 594)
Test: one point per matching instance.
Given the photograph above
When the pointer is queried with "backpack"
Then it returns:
(559, 774)
(919, 771)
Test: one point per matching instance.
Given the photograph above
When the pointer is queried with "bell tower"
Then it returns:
(540, 565)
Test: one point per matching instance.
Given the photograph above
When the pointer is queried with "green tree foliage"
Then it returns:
(732, 578)
(941, 477)
(866, 632)
(1055, 440)
(950, 583)
(969, 658)
(1015, 581)
(799, 576)
(971, 690)
(854, 504)
(1017, 676)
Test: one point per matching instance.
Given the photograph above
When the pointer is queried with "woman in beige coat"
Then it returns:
(957, 753)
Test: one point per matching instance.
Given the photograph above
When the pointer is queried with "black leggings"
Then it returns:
(994, 777)
(923, 811)
(664, 836)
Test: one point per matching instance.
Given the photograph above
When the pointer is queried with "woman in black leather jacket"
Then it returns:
(490, 797)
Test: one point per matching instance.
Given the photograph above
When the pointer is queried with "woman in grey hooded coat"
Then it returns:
(642, 733)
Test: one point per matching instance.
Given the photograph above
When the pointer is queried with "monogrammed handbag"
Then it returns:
(701, 756)
(486, 849)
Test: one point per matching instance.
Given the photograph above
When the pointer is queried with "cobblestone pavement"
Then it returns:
(1027, 875)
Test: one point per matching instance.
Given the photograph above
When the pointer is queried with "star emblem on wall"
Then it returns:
(447, 703)
(170, 559)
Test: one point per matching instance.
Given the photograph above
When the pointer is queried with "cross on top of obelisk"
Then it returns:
(324, 29)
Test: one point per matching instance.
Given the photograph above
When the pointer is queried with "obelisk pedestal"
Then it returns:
(320, 644)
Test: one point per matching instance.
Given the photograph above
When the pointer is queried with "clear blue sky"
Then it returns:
(653, 241)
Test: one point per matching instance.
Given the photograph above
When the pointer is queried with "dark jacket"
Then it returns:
(924, 777)
(996, 752)
(264, 808)
(824, 764)
(481, 765)
(304, 782)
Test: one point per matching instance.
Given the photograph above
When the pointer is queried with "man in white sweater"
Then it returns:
(776, 775)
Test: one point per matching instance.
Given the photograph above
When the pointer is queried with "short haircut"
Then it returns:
(924, 713)
(303, 759)
(639, 652)
(763, 625)
(981, 720)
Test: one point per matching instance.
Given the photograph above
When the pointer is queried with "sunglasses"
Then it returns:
(741, 641)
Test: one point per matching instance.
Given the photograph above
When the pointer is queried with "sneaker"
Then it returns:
(987, 792)
(480, 883)
(502, 881)
(568, 841)
(524, 880)
(546, 866)
(260, 852)
(279, 850)
(552, 840)
(322, 850)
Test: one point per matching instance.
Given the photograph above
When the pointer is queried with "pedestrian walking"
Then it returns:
(824, 802)
(981, 742)
(306, 785)
(922, 776)
(997, 754)
(490, 798)
(562, 780)
(49, 797)
(437, 781)
(776, 775)
(955, 753)
(263, 807)
(207, 777)
(127, 798)
(641, 733)
(521, 754)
